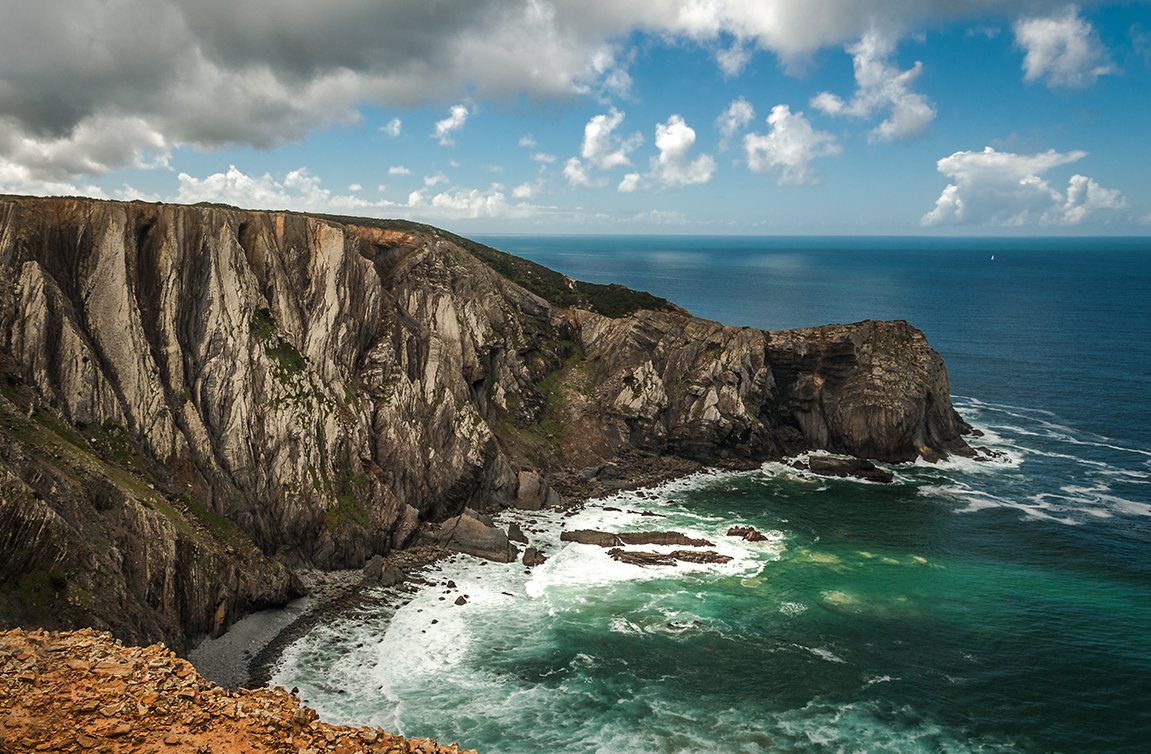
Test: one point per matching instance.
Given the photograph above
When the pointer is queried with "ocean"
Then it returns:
(968, 607)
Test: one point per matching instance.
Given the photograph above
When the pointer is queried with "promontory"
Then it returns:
(197, 400)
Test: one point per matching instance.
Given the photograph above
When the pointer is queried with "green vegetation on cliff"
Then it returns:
(613, 301)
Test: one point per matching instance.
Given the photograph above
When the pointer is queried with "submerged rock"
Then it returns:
(667, 559)
(849, 467)
(608, 539)
(516, 534)
(533, 557)
(747, 533)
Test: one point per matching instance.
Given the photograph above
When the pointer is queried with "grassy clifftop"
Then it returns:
(609, 300)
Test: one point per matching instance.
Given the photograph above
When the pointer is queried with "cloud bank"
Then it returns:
(1003, 188)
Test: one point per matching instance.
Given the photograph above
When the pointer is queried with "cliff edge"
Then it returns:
(196, 400)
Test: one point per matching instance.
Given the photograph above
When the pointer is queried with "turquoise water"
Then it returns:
(965, 608)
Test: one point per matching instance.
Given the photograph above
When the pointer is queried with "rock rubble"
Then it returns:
(81, 691)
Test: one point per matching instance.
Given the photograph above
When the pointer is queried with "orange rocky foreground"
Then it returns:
(81, 691)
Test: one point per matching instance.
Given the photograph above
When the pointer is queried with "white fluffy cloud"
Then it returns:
(451, 124)
(578, 177)
(530, 189)
(1063, 49)
(789, 147)
(631, 183)
(460, 204)
(733, 60)
(299, 190)
(604, 148)
(881, 86)
(394, 127)
(1003, 188)
(733, 120)
(673, 167)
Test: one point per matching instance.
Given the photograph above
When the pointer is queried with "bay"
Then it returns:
(967, 607)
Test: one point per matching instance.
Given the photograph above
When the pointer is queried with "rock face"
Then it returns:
(195, 399)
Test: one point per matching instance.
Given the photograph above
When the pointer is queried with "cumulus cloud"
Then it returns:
(529, 189)
(881, 86)
(144, 77)
(577, 175)
(1063, 49)
(602, 147)
(631, 183)
(1003, 188)
(394, 127)
(733, 120)
(733, 60)
(449, 125)
(301, 191)
(460, 204)
(789, 147)
(298, 190)
(398, 170)
(673, 167)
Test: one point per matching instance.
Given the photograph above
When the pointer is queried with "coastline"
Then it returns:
(246, 655)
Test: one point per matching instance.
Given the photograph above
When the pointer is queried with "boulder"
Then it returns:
(373, 569)
(747, 533)
(471, 536)
(406, 525)
(516, 534)
(533, 557)
(390, 576)
(534, 492)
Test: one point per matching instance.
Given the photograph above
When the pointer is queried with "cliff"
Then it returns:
(195, 400)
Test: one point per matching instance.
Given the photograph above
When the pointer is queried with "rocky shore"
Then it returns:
(83, 691)
(198, 403)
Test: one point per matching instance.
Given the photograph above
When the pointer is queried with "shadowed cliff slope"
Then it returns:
(195, 399)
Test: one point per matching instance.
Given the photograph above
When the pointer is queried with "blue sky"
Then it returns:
(948, 117)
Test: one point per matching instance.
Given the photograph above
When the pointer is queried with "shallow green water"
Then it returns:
(920, 616)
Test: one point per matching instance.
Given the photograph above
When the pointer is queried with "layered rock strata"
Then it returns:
(195, 400)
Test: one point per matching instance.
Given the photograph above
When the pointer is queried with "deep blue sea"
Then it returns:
(968, 607)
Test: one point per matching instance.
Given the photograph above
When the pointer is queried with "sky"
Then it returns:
(822, 117)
